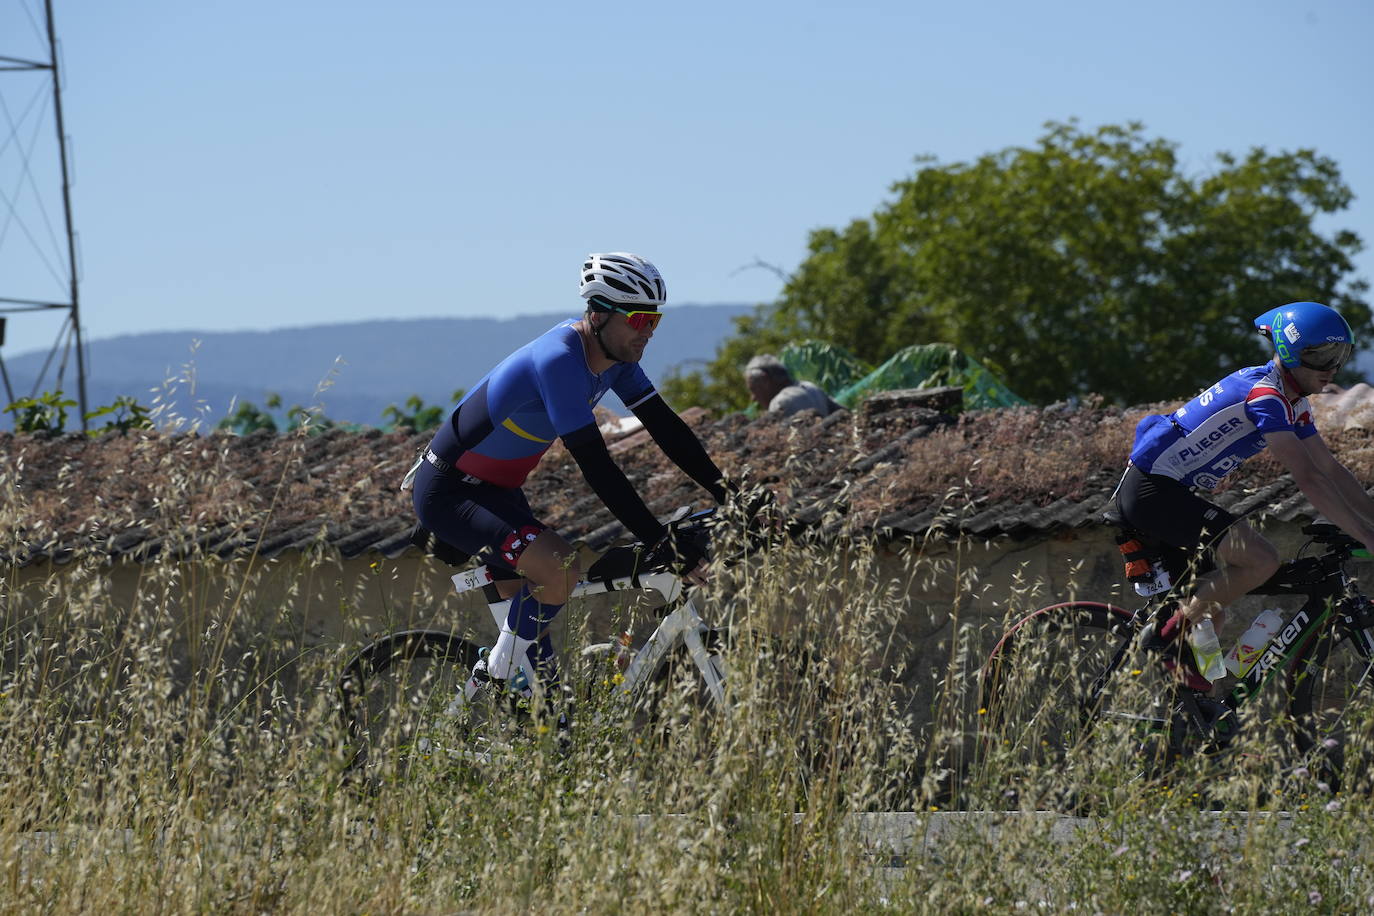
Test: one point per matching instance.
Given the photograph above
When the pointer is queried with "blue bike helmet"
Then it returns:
(1308, 334)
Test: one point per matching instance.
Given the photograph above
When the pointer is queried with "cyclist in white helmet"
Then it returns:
(467, 491)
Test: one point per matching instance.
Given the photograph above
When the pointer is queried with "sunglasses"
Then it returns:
(1327, 357)
(639, 320)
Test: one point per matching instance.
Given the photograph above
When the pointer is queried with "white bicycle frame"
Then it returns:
(682, 625)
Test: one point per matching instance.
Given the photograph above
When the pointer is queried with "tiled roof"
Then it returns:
(900, 473)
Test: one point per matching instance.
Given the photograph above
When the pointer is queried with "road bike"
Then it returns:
(1071, 677)
(408, 696)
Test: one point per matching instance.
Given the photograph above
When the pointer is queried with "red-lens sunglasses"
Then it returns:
(641, 321)
(638, 319)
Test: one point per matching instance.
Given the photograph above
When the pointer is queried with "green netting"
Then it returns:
(833, 368)
(933, 365)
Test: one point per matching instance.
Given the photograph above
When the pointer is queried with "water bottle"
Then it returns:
(1253, 642)
(1207, 650)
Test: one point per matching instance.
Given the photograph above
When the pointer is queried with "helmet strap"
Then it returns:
(596, 332)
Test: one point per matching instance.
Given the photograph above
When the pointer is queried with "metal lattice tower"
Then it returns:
(69, 338)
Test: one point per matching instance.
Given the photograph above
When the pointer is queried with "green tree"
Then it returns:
(1089, 262)
(721, 386)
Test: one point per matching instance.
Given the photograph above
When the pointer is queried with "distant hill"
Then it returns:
(381, 362)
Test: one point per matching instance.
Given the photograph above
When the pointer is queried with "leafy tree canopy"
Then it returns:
(1091, 262)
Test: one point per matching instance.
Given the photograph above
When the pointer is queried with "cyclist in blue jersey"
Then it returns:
(467, 487)
(1193, 448)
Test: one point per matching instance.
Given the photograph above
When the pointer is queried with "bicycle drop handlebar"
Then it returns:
(1331, 536)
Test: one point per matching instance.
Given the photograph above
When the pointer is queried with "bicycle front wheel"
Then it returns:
(397, 695)
(1332, 689)
(1057, 721)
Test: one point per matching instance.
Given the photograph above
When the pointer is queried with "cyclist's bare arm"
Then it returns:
(1351, 490)
(1311, 464)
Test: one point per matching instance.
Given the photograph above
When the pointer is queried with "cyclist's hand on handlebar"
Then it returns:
(683, 555)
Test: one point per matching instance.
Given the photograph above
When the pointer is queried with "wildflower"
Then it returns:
(1333, 805)
(1314, 897)
(1330, 743)
(1302, 772)
(982, 710)
(1120, 851)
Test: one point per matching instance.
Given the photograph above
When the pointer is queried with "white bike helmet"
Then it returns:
(622, 277)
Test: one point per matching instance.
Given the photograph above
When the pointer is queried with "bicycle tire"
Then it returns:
(1041, 739)
(394, 693)
(1332, 705)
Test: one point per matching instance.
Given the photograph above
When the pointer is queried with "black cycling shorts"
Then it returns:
(1167, 510)
(494, 523)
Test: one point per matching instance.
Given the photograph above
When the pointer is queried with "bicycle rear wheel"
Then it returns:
(1332, 689)
(1055, 727)
(396, 702)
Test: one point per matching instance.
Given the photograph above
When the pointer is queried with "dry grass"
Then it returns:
(175, 748)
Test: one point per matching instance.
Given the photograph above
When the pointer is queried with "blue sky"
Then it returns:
(265, 164)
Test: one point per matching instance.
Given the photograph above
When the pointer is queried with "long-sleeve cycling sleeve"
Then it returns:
(609, 482)
(681, 445)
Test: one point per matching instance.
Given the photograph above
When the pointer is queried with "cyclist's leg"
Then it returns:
(549, 569)
(1247, 558)
(1176, 516)
(532, 565)
(1198, 533)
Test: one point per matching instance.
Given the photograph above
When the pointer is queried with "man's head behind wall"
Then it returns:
(765, 376)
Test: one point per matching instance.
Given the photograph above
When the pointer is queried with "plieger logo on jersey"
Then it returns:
(513, 546)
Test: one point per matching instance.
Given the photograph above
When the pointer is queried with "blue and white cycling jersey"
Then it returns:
(1215, 432)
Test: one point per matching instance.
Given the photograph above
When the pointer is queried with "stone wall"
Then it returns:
(321, 606)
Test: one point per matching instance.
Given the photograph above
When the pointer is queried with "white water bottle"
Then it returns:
(1253, 642)
(1207, 650)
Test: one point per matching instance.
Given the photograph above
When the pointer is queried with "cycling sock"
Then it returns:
(525, 619)
(546, 664)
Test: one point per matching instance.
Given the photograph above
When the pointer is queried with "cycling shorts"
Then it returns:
(493, 523)
(1165, 509)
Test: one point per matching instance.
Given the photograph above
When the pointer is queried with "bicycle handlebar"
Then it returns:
(1328, 534)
